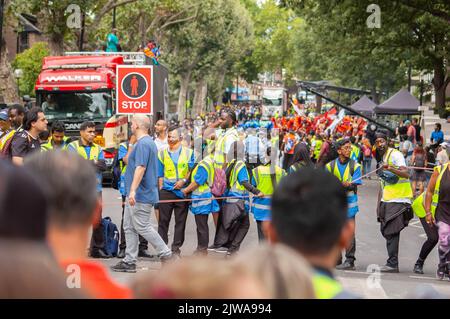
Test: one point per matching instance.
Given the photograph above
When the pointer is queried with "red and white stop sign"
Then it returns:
(134, 89)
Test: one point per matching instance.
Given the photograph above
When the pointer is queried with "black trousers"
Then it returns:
(98, 234)
(350, 251)
(261, 236)
(180, 210)
(234, 236)
(392, 244)
(432, 239)
(143, 244)
(201, 220)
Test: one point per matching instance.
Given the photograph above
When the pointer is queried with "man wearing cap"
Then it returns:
(394, 199)
(348, 171)
(4, 123)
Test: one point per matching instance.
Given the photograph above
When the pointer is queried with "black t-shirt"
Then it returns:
(443, 207)
(24, 144)
(418, 128)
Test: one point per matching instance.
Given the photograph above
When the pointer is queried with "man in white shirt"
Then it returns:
(161, 135)
(442, 155)
(395, 199)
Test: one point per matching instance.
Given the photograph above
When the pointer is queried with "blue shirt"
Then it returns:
(201, 176)
(352, 198)
(101, 156)
(174, 156)
(242, 177)
(144, 154)
(436, 136)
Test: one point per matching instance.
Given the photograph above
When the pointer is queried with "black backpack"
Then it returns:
(116, 171)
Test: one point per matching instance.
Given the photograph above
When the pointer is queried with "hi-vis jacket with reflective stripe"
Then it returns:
(401, 189)
(261, 174)
(236, 189)
(418, 205)
(352, 198)
(49, 145)
(171, 173)
(94, 153)
(220, 150)
(206, 205)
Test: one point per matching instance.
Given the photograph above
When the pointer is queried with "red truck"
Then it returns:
(81, 86)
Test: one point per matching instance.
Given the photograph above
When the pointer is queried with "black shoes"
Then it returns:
(389, 269)
(145, 254)
(418, 267)
(99, 253)
(122, 266)
(347, 265)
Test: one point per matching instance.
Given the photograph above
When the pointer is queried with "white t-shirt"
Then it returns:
(398, 160)
(442, 157)
(161, 144)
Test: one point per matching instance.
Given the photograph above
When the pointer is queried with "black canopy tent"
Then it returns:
(400, 103)
(364, 105)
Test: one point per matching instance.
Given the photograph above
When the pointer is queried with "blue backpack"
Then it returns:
(111, 234)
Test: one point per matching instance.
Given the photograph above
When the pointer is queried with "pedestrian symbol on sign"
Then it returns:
(134, 85)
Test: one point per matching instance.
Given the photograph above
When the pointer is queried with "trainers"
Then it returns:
(347, 265)
(99, 253)
(389, 269)
(145, 254)
(124, 267)
(418, 268)
(213, 247)
(222, 250)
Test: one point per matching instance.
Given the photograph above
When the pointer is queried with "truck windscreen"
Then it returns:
(274, 102)
(65, 105)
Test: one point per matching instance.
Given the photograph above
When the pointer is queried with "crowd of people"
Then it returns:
(233, 165)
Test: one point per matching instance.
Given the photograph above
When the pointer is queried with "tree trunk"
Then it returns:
(440, 82)
(56, 44)
(375, 95)
(184, 85)
(142, 29)
(8, 86)
(199, 97)
(318, 104)
(220, 81)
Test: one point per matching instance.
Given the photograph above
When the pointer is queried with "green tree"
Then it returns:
(30, 62)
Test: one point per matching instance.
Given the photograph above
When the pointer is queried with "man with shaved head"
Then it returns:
(141, 189)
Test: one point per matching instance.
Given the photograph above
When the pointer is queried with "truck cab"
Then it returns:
(274, 101)
(80, 86)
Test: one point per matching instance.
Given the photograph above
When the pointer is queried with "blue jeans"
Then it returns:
(367, 164)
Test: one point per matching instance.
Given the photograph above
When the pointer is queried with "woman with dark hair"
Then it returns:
(301, 158)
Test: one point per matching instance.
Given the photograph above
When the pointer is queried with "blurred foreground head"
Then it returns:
(309, 214)
(200, 278)
(27, 267)
(69, 184)
(284, 273)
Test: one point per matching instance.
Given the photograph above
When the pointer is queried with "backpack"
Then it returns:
(220, 182)
(111, 234)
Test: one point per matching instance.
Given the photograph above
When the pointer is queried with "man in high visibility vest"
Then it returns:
(348, 172)
(202, 204)
(86, 148)
(395, 199)
(58, 140)
(317, 229)
(174, 168)
(265, 178)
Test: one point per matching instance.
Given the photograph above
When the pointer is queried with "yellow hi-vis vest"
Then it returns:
(6, 138)
(263, 180)
(235, 186)
(208, 164)
(418, 205)
(220, 151)
(356, 151)
(317, 148)
(325, 287)
(94, 153)
(171, 173)
(401, 189)
(49, 146)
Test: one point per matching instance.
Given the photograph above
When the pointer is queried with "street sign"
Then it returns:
(134, 87)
